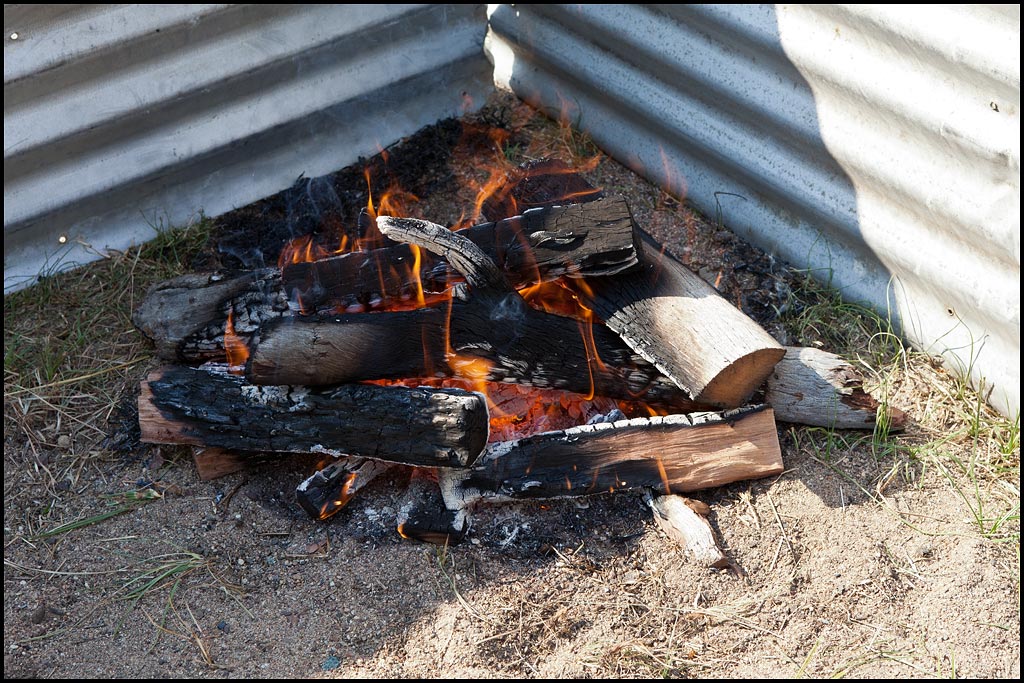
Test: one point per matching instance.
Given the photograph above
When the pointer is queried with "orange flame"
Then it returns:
(235, 348)
(331, 507)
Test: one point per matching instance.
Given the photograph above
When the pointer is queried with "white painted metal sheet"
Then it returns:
(119, 119)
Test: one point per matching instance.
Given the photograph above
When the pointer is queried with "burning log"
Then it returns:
(543, 244)
(679, 323)
(331, 488)
(206, 407)
(685, 521)
(814, 387)
(674, 454)
(489, 333)
(186, 316)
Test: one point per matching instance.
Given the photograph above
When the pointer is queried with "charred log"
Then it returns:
(424, 516)
(438, 427)
(186, 316)
(330, 488)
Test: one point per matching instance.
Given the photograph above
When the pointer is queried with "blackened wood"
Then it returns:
(580, 240)
(672, 454)
(439, 427)
(814, 387)
(186, 316)
(499, 343)
(678, 322)
(330, 488)
(424, 516)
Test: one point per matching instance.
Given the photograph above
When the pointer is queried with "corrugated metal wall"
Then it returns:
(118, 118)
(877, 145)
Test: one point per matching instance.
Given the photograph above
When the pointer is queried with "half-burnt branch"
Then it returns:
(678, 322)
(672, 454)
(421, 426)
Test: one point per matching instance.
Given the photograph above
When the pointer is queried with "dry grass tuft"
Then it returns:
(71, 352)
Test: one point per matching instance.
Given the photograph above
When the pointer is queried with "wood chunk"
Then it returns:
(424, 516)
(422, 426)
(679, 518)
(679, 323)
(813, 387)
(330, 488)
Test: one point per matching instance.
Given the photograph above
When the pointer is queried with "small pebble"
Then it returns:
(64, 441)
(224, 626)
(331, 663)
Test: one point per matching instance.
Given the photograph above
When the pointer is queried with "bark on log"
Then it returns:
(814, 387)
(672, 454)
(433, 427)
(685, 521)
(331, 488)
(679, 323)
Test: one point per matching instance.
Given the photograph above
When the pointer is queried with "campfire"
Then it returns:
(555, 351)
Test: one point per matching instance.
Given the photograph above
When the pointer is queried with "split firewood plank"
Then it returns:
(330, 488)
(814, 387)
(684, 520)
(671, 454)
(678, 322)
(206, 407)
(186, 316)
